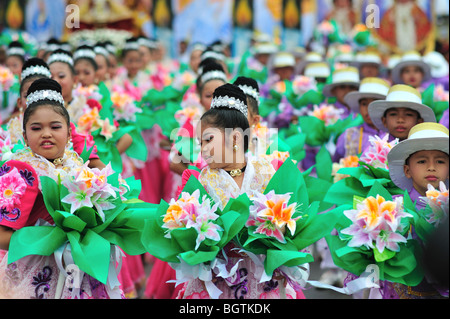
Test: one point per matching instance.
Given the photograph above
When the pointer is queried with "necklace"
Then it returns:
(236, 172)
(58, 161)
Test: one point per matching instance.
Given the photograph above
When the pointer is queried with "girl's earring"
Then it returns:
(235, 147)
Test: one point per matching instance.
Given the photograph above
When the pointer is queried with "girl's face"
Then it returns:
(132, 62)
(102, 67)
(22, 100)
(194, 60)
(14, 64)
(47, 133)
(112, 69)
(212, 143)
(206, 94)
(364, 110)
(412, 75)
(84, 73)
(146, 56)
(400, 120)
(62, 74)
(427, 167)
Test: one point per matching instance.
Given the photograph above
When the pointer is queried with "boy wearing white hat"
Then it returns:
(368, 63)
(420, 160)
(344, 81)
(355, 139)
(400, 111)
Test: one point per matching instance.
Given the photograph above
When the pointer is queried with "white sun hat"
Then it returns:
(422, 137)
(370, 87)
(410, 58)
(310, 57)
(438, 64)
(317, 70)
(283, 59)
(400, 95)
(362, 58)
(345, 76)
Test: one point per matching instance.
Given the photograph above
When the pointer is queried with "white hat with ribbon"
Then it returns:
(370, 87)
(345, 76)
(400, 95)
(422, 137)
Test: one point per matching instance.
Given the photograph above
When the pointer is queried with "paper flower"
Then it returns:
(272, 214)
(124, 107)
(376, 154)
(12, 188)
(188, 212)
(89, 92)
(6, 78)
(327, 113)
(438, 202)
(302, 84)
(89, 188)
(376, 224)
(440, 94)
(349, 161)
(6, 145)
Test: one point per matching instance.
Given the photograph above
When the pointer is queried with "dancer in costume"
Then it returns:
(411, 70)
(401, 110)
(47, 133)
(355, 139)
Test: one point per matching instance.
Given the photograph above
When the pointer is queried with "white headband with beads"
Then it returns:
(60, 57)
(34, 70)
(249, 90)
(211, 75)
(84, 53)
(15, 51)
(45, 95)
(229, 102)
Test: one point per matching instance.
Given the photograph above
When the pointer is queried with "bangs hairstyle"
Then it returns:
(45, 84)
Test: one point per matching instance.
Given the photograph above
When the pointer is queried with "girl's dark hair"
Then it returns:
(45, 84)
(251, 100)
(16, 44)
(211, 66)
(90, 60)
(224, 117)
(32, 62)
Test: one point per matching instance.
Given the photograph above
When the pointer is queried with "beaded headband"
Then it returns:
(101, 51)
(214, 55)
(84, 53)
(60, 57)
(131, 46)
(34, 70)
(148, 43)
(15, 51)
(249, 90)
(211, 75)
(45, 95)
(229, 102)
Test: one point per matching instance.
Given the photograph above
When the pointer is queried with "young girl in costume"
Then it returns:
(401, 110)
(47, 133)
(229, 110)
(15, 57)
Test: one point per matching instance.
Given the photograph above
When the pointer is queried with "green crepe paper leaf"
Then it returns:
(91, 254)
(324, 165)
(67, 221)
(277, 258)
(288, 179)
(234, 216)
(188, 148)
(42, 240)
(314, 129)
(192, 185)
(197, 257)
(378, 189)
(428, 96)
(86, 152)
(317, 189)
(138, 149)
(50, 194)
(385, 255)
(311, 97)
(342, 192)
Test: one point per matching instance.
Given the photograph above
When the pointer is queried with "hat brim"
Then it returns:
(397, 70)
(329, 87)
(377, 109)
(352, 99)
(400, 153)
